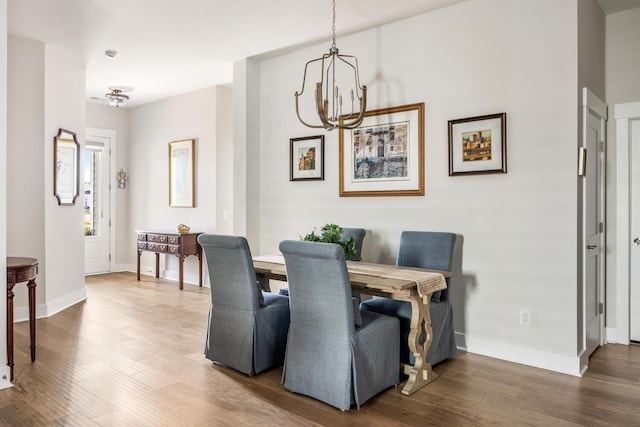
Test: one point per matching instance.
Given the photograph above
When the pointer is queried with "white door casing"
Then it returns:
(96, 195)
(593, 148)
(627, 117)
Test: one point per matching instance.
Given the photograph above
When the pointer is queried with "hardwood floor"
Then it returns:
(132, 354)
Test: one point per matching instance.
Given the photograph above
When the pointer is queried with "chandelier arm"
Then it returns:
(304, 77)
(302, 121)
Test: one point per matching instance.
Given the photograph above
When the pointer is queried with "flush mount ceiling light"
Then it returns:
(328, 93)
(116, 98)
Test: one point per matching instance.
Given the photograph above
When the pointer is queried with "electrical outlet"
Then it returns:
(525, 317)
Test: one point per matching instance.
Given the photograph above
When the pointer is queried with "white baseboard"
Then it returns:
(5, 372)
(551, 361)
(21, 314)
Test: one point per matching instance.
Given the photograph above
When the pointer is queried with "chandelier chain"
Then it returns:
(333, 28)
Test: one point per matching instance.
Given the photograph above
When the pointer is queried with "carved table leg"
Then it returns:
(32, 317)
(420, 374)
(10, 295)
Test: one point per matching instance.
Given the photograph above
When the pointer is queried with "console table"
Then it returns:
(172, 243)
(21, 270)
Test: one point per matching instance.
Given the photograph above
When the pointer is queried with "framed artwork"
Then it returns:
(384, 156)
(182, 173)
(306, 158)
(478, 145)
(66, 166)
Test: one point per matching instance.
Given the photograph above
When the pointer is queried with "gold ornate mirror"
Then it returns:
(66, 167)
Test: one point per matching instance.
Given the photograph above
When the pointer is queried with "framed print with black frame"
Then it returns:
(306, 158)
(478, 145)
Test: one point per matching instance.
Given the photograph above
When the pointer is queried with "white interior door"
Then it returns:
(96, 205)
(634, 294)
(594, 117)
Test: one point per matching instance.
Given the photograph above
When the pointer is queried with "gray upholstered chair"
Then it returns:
(358, 235)
(427, 250)
(335, 353)
(247, 327)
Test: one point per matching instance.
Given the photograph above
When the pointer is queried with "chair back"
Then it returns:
(426, 249)
(231, 273)
(319, 287)
(358, 235)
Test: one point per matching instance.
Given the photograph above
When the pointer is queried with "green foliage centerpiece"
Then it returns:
(330, 233)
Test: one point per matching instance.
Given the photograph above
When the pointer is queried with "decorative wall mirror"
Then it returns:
(66, 167)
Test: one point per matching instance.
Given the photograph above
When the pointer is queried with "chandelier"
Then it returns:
(328, 93)
(116, 98)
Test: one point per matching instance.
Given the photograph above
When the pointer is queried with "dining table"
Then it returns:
(415, 285)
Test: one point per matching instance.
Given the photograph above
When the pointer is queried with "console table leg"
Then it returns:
(10, 329)
(139, 254)
(32, 318)
(157, 265)
(181, 270)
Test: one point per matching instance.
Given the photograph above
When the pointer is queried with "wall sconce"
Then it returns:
(122, 179)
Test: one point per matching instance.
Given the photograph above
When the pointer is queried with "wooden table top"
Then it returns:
(17, 262)
(381, 277)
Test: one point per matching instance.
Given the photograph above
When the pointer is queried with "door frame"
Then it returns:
(111, 135)
(623, 114)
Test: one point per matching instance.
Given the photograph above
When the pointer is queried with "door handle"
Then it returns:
(636, 241)
(595, 246)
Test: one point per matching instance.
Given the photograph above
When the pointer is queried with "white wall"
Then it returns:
(46, 93)
(622, 85)
(26, 149)
(117, 119)
(151, 128)
(224, 162)
(519, 229)
(64, 106)
(4, 369)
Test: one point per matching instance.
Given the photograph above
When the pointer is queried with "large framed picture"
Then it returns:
(306, 158)
(478, 145)
(182, 173)
(384, 156)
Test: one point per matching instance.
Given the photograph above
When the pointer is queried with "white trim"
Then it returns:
(623, 113)
(5, 372)
(60, 304)
(112, 136)
(557, 362)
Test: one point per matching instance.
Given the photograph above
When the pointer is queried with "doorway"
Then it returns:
(98, 201)
(628, 226)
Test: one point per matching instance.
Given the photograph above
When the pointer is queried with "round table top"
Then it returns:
(17, 262)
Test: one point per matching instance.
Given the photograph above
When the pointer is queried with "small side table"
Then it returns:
(21, 270)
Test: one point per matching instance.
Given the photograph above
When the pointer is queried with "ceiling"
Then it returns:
(170, 47)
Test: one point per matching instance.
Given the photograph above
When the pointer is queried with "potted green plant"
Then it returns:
(330, 233)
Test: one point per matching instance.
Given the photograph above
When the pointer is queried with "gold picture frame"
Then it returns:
(384, 156)
(182, 181)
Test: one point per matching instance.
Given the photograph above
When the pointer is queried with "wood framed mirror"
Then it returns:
(66, 167)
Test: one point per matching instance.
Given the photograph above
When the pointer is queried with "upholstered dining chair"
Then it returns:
(358, 235)
(424, 249)
(247, 327)
(335, 353)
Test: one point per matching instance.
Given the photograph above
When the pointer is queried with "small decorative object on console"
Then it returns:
(183, 228)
